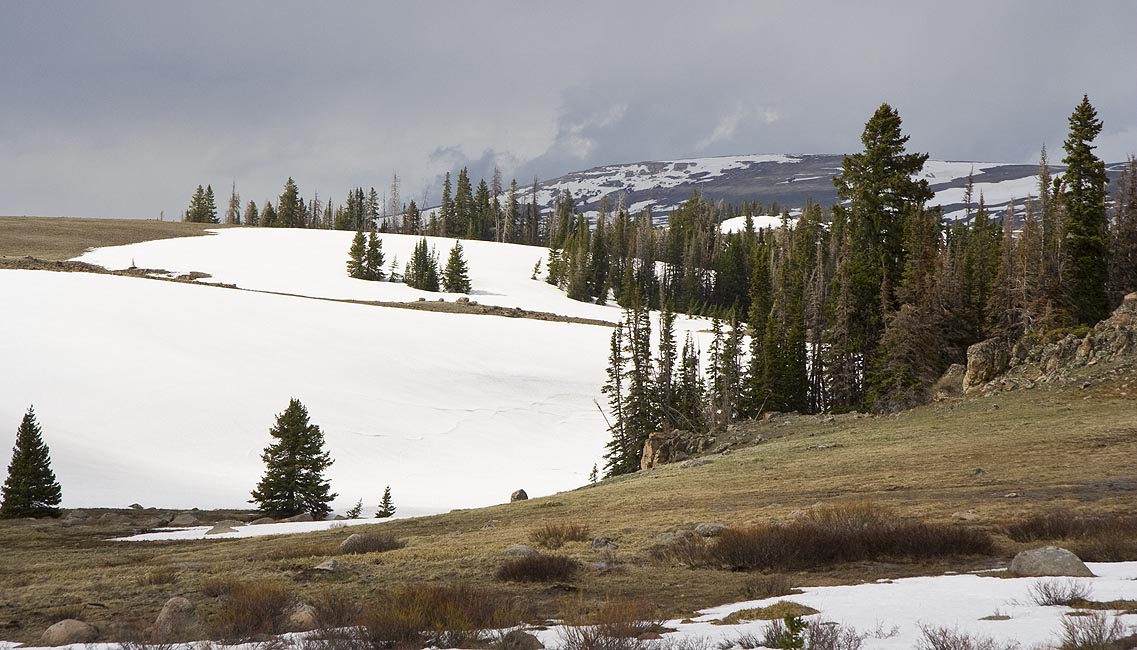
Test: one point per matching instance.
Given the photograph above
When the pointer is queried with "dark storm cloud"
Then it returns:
(120, 109)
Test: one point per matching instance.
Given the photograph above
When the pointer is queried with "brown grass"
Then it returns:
(442, 615)
(1110, 537)
(251, 609)
(554, 535)
(62, 238)
(538, 568)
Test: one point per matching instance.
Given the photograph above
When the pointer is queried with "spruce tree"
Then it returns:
(373, 258)
(356, 267)
(252, 215)
(1123, 235)
(619, 457)
(30, 489)
(233, 212)
(386, 505)
(1083, 197)
(422, 269)
(209, 207)
(288, 208)
(196, 210)
(293, 482)
(355, 510)
(456, 278)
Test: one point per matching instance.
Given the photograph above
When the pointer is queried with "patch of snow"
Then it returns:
(260, 530)
(738, 224)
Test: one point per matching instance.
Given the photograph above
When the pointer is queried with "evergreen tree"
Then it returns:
(447, 219)
(422, 269)
(456, 278)
(1123, 235)
(373, 258)
(268, 215)
(355, 510)
(196, 211)
(386, 505)
(689, 389)
(665, 369)
(233, 212)
(356, 266)
(288, 211)
(209, 207)
(463, 206)
(252, 216)
(1083, 198)
(293, 482)
(620, 457)
(30, 489)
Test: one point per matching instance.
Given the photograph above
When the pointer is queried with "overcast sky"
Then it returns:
(119, 109)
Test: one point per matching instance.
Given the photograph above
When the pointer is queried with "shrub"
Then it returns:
(162, 575)
(217, 586)
(768, 585)
(1094, 631)
(444, 616)
(1102, 538)
(371, 543)
(251, 609)
(942, 638)
(553, 536)
(627, 618)
(336, 609)
(1059, 592)
(538, 568)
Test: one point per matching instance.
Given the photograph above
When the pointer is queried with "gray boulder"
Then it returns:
(220, 530)
(184, 520)
(331, 566)
(521, 550)
(303, 516)
(1049, 561)
(69, 631)
(177, 620)
(519, 495)
(518, 640)
(301, 618)
(709, 529)
(353, 543)
(604, 544)
(262, 520)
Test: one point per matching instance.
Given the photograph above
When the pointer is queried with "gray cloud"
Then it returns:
(121, 108)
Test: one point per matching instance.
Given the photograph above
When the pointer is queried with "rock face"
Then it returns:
(69, 631)
(518, 640)
(519, 495)
(1049, 561)
(177, 620)
(672, 447)
(985, 361)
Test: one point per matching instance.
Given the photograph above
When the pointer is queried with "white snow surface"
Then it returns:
(738, 224)
(890, 614)
(163, 393)
(259, 530)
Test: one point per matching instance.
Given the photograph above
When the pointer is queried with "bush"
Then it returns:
(370, 543)
(839, 533)
(1101, 538)
(553, 536)
(768, 585)
(251, 609)
(1059, 592)
(538, 568)
(336, 609)
(942, 638)
(1094, 631)
(443, 616)
(162, 575)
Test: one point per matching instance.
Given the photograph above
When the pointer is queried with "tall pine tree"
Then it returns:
(294, 482)
(1083, 198)
(30, 489)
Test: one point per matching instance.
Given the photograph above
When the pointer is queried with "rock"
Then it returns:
(709, 529)
(521, 550)
(985, 361)
(262, 520)
(1049, 561)
(463, 299)
(184, 520)
(604, 544)
(69, 631)
(220, 530)
(950, 383)
(331, 566)
(230, 523)
(977, 472)
(694, 462)
(354, 543)
(965, 516)
(518, 640)
(303, 516)
(519, 495)
(490, 525)
(177, 620)
(300, 618)
(135, 506)
(657, 449)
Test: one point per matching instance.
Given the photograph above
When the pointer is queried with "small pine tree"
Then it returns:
(30, 489)
(456, 278)
(386, 505)
(356, 266)
(594, 475)
(422, 271)
(373, 258)
(355, 510)
(294, 481)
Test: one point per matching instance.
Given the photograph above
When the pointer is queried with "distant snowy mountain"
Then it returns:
(787, 180)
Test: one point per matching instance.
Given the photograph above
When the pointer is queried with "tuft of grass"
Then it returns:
(440, 615)
(775, 612)
(943, 638)
(1065, 593)
(554, 535)
(538, 568)
(252, 609)
(162, 575)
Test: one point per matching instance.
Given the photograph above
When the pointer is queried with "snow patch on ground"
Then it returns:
(260, 530)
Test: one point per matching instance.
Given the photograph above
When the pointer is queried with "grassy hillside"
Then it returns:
(61, 238)
(984, 461)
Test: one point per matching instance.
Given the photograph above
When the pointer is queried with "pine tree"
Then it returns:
(30, 489)
(386, 505)
(252, 216)
(233, 212)
(293, 482)
(355, 510)
(447, 218)
(689, 389)
(1083, 197)
(268, 215)
(422, 269)
(373, 258)
(196, 211)
(456, 278)
(209, 207)
(356, 266)
(619, 458)
(665, 369)
(1123, 235)
(288, 213)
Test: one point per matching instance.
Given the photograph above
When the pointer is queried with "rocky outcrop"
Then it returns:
(985, 361)
(69, 631)
(664, 447)
(1049, 561)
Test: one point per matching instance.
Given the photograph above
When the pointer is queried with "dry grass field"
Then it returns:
(61, 238)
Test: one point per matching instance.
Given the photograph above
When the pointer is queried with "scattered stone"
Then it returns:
(177, 619)
(518, 640)
(184, 520)
(135, 506)
(69, 631)
(490, 525)
(978, 471)
(303, 516)
(421, 299)
(604, 544)
(463, 299)
(709, 529)
(300, 618)
(965, 516)
(1049, 561)
(220, 530)
(519, 495)
(521, 550)
(331, 566)
(262, 520)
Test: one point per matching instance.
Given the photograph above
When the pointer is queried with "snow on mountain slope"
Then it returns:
(163, 393)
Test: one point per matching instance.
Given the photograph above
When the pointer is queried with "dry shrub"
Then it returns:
(835, 534)
(444, 616)
(625, 619)
(768, 585)
(1097, 538)
(1059, 592)
(336, 608)
(252, 609)
(217, 586)
(162, 575)
(373, 543)
(818, 635)
(942, 638)
(1095, 631)
(686, 548)
(538, 568)
(553, 536)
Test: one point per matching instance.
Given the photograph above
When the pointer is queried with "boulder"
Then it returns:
(331, 566)
(709, 529)
(69, 631)
(135, 506)
(303, 516)
(657, 449)
(300, 618)
(986, 360)
(184, 520)
(521, 550)
(604, 544)
(518, 640)
(262, 520)
(1049, 561)
(220, 530)
(519, 495)
(354, 543)
(177, 620)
